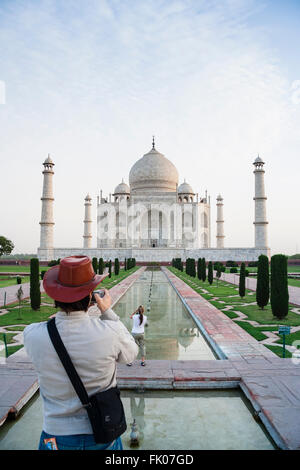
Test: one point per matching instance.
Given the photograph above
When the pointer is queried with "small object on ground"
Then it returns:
(134, 435)
(143, 363)
(130, 364)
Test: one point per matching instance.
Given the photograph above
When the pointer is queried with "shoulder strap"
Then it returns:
(67, 363)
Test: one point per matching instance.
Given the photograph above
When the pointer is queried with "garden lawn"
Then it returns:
(224, 291)
(11, 282)
(19, 269)
(12, 349)
(278, 350)
(9, 337)
(26, 315)
(289, 339)
(294, 282)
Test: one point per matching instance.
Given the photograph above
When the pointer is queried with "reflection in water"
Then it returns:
(214, 419)
(137, 409)
(166, 419)
(171, 333)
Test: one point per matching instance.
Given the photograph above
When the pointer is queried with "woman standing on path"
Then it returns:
(138, 331)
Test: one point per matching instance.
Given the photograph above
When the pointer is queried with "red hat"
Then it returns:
(71, 280)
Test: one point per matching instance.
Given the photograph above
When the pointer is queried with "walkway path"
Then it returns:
(294, 292)
(222, 333)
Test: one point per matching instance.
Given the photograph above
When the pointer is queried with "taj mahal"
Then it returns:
(154, 218)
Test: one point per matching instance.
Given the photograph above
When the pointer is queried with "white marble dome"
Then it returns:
(185, 188)
(153, 172)
(122, 188)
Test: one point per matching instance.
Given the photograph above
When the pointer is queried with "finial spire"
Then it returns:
(153, 143)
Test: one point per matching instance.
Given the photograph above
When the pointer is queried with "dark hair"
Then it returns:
(141, 311)
(69, 307)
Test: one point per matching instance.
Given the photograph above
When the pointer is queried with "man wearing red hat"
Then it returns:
(94, 344)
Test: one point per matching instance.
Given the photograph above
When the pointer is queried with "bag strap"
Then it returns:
(67, 363)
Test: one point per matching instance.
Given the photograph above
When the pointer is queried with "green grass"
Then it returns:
(289, 339)
(9, 337)
(12, 349)
(15, 328)
(265, 316)
(252, 330)
(294, 282)
(10, 282)
(19, 269)
(253, 312)
(26, 315)
(230, 314)
(278, 350)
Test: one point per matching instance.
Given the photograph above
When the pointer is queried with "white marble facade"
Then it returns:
(153, 211)
(153, 218)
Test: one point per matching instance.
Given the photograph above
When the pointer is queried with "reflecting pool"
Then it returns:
(166, 420)
(171, 333)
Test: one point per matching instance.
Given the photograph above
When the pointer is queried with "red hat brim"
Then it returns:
(62, 293)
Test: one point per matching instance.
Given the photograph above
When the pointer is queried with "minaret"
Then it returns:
(87, 233)
(220, 223)
(47, 222)
(260, 223)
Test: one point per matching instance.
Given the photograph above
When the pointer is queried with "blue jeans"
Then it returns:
(79, 442)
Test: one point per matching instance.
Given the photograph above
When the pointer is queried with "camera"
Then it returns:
(100, 292)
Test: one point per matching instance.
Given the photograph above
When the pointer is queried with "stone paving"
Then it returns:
(272, 384)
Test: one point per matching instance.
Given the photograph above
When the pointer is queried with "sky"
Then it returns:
(90, 82)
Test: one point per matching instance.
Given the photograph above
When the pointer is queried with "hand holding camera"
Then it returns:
(102, 298)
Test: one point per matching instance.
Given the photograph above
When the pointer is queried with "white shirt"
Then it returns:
(137, 328)
(95, 344)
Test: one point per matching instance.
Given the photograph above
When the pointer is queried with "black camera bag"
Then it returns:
(105, 409)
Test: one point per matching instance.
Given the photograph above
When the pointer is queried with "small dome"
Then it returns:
(88, 198)
(153, 172)
(185, 188)
(258, 160)
(122, 188)
(48, 161)
(219, 198)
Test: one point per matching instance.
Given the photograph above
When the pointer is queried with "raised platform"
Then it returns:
(157, 254)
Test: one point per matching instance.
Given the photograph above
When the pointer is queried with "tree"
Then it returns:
(117, 266)
(35, 292)
(242, 281)
(218, 273)
(101, 266)
(125, 265)
(193, 267)
(6, 246)
(95, 264)
(279, 286)
(210, 275)
(263, 282)
(199, 269)
(109, 268)
(203, 270)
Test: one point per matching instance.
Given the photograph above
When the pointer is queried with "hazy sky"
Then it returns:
(90, 82)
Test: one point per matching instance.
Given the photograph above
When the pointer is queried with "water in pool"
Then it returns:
(167, 420)
(171, 333)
